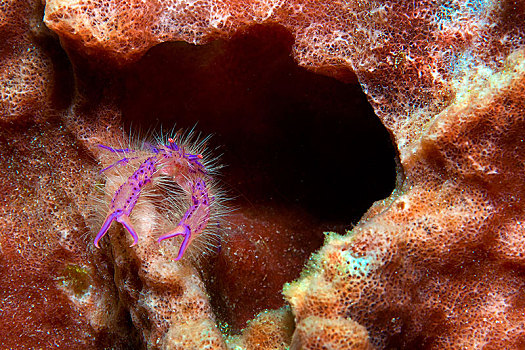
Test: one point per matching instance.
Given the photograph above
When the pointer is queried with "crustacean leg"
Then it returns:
(125, 199)
(195, 219)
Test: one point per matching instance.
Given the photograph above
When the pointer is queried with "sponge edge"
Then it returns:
(270, 329)
(316, 333)
(171, 309)
(438, 263)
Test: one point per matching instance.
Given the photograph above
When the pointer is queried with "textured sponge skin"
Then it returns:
(411, 58)
(437, 265)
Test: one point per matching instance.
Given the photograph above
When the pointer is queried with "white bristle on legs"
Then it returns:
(179, 189)
(204, 243)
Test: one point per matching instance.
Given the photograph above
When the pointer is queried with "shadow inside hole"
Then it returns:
(290, 138)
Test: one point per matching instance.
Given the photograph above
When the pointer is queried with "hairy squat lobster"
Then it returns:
(184, 168)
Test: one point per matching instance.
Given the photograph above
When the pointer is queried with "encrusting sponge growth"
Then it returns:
(176, 164)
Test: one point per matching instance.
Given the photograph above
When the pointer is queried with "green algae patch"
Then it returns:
(75, 278)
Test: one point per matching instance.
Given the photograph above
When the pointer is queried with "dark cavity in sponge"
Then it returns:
(304, 153)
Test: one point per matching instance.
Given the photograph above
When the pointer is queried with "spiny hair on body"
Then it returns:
(164, 201)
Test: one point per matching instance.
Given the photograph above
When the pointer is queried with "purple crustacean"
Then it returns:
(183, 168)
